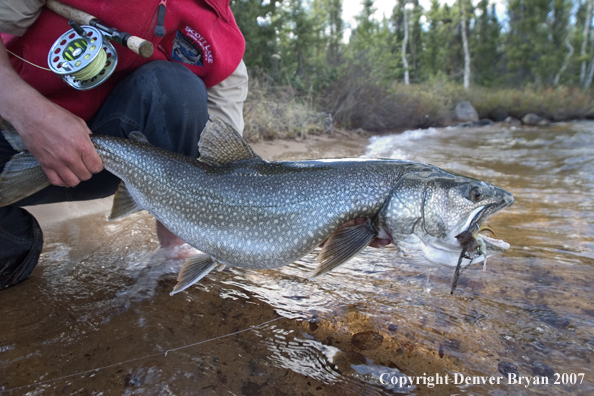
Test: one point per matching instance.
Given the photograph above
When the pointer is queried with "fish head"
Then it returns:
(429, 211)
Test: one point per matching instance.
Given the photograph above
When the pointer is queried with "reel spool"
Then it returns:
(83, 57)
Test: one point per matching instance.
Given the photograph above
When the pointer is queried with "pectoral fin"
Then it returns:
(194, 269)
(343, 245)
(123, 203)
(22, 176)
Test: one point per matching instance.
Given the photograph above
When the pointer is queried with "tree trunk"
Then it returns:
(590, 74)
(586, 35)
(569, 53)
(466, 50)
(404, 58)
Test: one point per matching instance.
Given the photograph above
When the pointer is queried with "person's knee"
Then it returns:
(163, 100)
(176, 85)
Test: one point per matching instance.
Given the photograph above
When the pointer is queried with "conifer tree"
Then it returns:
(258, 22)
(484, 43)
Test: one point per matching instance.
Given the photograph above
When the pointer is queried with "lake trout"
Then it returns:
(242, 211)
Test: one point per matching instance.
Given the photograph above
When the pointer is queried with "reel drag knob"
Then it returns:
(83, 57)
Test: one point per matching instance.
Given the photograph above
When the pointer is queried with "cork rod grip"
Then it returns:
(139, 45)
(69, 12)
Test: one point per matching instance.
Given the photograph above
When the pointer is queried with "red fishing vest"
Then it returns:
(201, 34)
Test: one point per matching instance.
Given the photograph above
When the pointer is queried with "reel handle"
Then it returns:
(139, 45)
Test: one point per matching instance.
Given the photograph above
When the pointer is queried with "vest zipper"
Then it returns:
(160, 29)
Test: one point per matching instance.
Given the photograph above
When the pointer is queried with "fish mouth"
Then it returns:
(474, 236)
(479, 218)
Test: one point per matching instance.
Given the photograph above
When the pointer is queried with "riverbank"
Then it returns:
(358, 102)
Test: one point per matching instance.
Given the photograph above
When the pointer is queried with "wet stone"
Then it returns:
(355, 358)
(557, 322)
(474, 317)
(367, 340)
(541, 369)
(532, 294)
(313, 325)
(506, 368)
(539, 346)
(551, 318)
(131, 380)
(589, 312)
(453, 344)
(251, 388)
(392, 328)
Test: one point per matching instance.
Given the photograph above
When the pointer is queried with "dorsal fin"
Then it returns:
(220, 144)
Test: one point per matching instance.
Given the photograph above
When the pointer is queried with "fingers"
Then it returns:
(67, 167)
(55, 178)
(60, 142)
(92, 161)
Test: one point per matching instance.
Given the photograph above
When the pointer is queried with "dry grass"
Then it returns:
(357, 102)
(277, 112)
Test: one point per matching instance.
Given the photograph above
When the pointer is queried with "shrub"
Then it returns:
(272, 111)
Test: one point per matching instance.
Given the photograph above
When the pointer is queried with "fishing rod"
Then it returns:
(84, 56)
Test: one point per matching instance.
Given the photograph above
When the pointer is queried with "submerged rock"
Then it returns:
(534, 120)
(506, 368)
(367, 340)
(513, 121)
(542, 370)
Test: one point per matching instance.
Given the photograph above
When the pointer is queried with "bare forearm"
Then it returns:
(16, 96)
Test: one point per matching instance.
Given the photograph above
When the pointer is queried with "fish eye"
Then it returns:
(476, 194)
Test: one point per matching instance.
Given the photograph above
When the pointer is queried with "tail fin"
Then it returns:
(22, 175)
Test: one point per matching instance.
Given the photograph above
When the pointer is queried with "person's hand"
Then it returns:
(377, 242)
(60, 141)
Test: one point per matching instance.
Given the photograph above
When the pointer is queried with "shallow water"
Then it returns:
(96, 317)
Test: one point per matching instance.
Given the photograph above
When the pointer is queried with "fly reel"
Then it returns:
(83, 57)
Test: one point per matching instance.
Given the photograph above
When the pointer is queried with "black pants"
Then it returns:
(163, 100)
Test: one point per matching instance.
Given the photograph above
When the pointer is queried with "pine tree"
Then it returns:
(537, 31)
(484, 42)
(256, 20)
